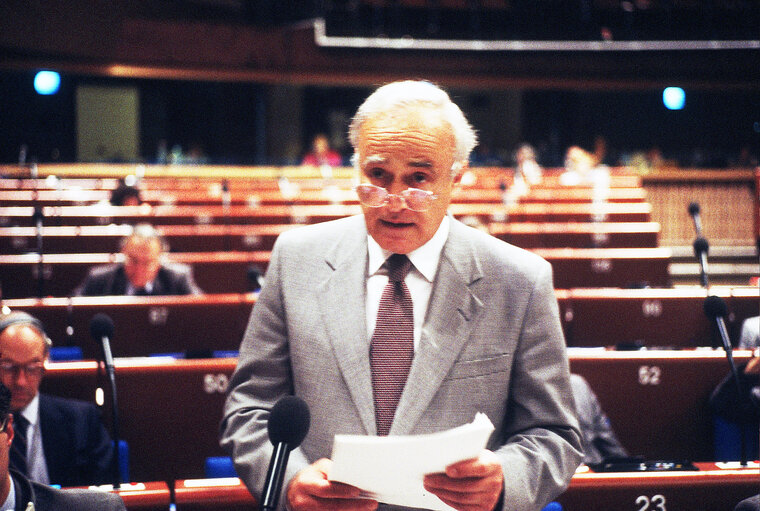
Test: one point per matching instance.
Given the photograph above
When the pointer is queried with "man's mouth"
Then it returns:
(395, 225)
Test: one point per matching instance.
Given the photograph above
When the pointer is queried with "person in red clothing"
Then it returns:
(321, 153)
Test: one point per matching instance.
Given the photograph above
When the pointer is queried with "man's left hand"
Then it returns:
(470, 485)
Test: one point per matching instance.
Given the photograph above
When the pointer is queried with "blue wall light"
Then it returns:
(47, 82)
(673, 98)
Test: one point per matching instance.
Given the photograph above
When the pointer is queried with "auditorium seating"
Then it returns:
(104, 214)
(602, 253)
(232, 272)
(656, 401)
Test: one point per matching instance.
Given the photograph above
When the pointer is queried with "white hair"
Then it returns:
(411, 93)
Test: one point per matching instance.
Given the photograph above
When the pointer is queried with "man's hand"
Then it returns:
(310, 490)
(470, 485)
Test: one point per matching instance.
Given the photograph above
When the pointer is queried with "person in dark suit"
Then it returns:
(18, 493)
(142, 273)
(749, 504)
(65, 440)
(474, 323)
(599, 440)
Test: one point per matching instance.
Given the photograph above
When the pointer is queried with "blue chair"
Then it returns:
(727, 440)
(219, 466)
(226, 353)
(124, 461)
(63, 353)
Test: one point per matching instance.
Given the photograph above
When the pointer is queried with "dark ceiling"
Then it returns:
(274, 41)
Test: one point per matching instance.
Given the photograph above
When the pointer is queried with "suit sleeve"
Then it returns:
(541, 443)
(99, 448)
(262, 376)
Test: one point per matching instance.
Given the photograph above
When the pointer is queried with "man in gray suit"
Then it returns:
(486, 334)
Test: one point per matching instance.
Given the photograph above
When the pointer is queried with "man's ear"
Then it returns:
(9, 429)
(458, 170)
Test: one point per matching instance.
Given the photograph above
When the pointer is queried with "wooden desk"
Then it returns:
(208, 238)
(229, 272)
(229, 494)
(152, 496)
(215, 272)
(579, 235)
(711, 488)
(145, 325)
(657, 401)
(607, 267)
(297, 212)
(653, 317)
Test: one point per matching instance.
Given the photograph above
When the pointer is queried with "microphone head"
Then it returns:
(694, 208)
(715, 307)
(101, 325)
(700, 246)
(289, 422)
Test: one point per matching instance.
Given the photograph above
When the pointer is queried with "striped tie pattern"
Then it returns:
(18, 447)
(392, 344)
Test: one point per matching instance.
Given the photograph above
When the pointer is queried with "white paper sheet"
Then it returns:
(390, 469)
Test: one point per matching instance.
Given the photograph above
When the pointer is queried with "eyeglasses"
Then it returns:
(375, 196)
(32, 370)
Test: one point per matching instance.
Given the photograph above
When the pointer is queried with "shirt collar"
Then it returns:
(425, 258)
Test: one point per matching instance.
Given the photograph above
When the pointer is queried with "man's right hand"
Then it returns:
(310, 490)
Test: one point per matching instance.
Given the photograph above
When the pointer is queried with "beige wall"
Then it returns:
(108, 123)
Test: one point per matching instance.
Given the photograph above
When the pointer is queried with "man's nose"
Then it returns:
(396, 202)
(20, 377)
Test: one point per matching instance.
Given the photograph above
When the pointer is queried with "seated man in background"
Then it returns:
(142, 273)
(599, 440)
(125, 195)
(58, 441)
(18, 493)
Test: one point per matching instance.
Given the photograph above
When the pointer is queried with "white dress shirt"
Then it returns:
(419, 280)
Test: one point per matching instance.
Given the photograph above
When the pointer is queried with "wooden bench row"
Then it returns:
(655, 400)
(492, 177)
(713, 486)
(664, 318)
(294, 196)
(259, 213)
(231, 271)
(207, 238)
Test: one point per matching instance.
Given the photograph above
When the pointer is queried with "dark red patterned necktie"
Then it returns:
(392, 345)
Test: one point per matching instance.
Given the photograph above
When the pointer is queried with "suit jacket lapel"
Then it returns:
(342, 298)
(446, 328)
(53, 439)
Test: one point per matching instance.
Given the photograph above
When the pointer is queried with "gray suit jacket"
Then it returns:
(491, 342)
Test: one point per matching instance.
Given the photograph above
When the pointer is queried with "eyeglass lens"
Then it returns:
(375, 196)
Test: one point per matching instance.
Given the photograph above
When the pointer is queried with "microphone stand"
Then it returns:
(715, 308)
(109, 368)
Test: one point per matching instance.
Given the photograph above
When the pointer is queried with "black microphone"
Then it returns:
(288, 424)
(701, 247)
(101, 329)
(715, 309)
(694, 212)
